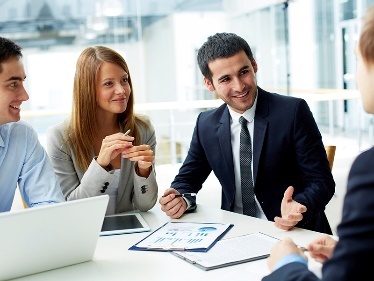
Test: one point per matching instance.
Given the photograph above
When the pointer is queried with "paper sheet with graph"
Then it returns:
(183, 236)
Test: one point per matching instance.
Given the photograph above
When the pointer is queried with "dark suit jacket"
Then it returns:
(287, 150)
(353, 254)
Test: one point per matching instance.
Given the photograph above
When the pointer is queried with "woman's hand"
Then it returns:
(141, 154)
(111, 146)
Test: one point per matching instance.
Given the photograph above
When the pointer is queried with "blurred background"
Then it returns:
(303, 48)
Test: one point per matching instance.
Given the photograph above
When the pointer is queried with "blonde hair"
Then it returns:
(83, 128)
(366, 42)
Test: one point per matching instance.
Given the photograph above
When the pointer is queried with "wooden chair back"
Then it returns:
(330, 152)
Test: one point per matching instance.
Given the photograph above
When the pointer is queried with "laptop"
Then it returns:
(50, 236)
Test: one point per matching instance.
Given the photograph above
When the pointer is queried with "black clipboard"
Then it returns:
(172, 231)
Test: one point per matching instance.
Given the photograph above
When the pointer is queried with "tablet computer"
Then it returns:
(123, 223)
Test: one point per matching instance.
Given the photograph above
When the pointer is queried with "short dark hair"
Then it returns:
(8, 49)
(220, 45)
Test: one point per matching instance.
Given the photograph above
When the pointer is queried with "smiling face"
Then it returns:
(234, 81)
(12, 91)
(113, 89)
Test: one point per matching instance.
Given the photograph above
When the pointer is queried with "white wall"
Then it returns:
(50, 78)
(50, 75)
(159, 54)
(302, 48)
(191, 30)
(170, 45)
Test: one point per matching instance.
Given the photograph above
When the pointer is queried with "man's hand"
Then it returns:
(282, 248)
(322, 248)
(173, 207)
(291, 211)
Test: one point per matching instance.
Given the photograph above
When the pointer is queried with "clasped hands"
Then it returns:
(119, 143)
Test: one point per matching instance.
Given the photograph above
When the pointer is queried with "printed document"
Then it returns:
(183, 236)
(231, 251)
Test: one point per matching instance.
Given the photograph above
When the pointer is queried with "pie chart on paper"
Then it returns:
(207, 229)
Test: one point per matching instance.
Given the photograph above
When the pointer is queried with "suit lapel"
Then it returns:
(260, 127)
(224, 137)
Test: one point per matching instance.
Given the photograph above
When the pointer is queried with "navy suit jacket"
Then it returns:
(354, 252)
(287, 150)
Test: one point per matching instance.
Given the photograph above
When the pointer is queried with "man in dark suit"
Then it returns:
(292, 181)
(352, 255)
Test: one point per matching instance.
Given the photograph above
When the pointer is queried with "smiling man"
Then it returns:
(264, 148)
(22, 159)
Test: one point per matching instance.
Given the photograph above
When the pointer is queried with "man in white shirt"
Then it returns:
(22, 158)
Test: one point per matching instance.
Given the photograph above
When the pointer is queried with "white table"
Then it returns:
(113, 260)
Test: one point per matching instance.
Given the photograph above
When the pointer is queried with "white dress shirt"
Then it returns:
(235, 129)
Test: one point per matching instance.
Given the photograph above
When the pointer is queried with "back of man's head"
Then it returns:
(8, 50)
(366, 41)
(220, 45)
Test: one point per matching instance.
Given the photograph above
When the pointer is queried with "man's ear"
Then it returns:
(209, 84)
(254, 65)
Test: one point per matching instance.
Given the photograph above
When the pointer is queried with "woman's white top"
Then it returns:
(112, 191)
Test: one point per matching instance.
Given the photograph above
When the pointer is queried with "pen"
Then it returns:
(127, 132)
(182, 195)
(303, 249)
(185, 195)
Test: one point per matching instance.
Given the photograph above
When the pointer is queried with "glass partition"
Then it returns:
(303, 48)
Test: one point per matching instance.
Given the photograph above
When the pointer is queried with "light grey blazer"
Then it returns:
(134, 192)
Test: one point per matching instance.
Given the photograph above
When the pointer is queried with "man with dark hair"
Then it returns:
(22, 158)
(264, 148)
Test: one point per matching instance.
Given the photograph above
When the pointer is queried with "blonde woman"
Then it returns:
(90, 152)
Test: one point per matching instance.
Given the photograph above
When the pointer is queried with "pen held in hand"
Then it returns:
(185, 195)
(303, 249)
(182, 195)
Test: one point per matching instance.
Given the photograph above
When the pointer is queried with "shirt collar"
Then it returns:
(249, 114)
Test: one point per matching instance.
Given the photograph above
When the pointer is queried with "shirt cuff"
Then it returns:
(188, 202)
(288, 259)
